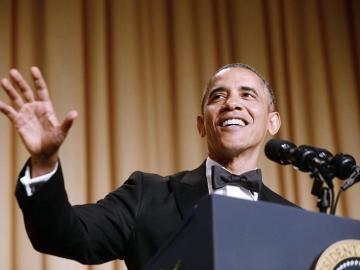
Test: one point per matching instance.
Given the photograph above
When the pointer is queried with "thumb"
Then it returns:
(68, 121)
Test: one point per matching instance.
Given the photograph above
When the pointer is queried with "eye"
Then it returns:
(218, 95)
(248, 95)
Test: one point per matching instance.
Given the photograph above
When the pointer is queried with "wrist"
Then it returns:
(41, 165)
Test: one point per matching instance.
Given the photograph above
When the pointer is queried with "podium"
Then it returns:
(231, 234)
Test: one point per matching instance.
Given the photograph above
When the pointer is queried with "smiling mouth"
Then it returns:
(233, 122)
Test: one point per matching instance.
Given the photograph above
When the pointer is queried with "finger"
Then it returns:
(12, 93)
(51, 118)
(8, 111)
(22, 84)
(68, 121)
(40, 85)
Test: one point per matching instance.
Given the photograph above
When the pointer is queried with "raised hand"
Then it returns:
(32, 114)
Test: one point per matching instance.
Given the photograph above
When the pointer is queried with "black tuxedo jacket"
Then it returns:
(130, 223)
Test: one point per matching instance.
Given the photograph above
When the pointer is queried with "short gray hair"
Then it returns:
(240, 65)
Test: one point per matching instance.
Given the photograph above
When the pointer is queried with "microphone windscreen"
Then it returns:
(279, 150)
(344, 165)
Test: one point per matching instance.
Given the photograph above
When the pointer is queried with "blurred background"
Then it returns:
(135, 71)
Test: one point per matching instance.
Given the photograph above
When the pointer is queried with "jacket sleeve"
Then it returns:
(90, 233)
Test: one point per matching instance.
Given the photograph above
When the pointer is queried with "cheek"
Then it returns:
(261, 117)
(209, 127)
(209, 121)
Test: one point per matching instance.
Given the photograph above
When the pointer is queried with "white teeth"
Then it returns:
(237, 122)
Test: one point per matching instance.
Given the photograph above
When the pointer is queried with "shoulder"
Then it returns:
(154, 177)
(147, 179)
(266, 194)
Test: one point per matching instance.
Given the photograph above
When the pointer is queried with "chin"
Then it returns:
(233, 149)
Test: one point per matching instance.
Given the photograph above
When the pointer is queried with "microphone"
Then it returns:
(281, 151)
(321, 164)
(346, 168)
(309, 159)
(323, 153)
(304, 158)
(316, 161)
(344, 165)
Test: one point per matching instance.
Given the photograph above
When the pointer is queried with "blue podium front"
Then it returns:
(231, 234)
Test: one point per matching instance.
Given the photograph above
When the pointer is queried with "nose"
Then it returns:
(232, 104)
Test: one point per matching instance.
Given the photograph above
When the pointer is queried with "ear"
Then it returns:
(201, 125)
(274, 123)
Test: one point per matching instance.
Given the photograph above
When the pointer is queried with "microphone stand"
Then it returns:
(321, 192)
(324, 194)
(353, 178)
(322, 167)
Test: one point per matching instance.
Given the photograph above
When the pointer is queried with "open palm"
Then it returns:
(33, 116)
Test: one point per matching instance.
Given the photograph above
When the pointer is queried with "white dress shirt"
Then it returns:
(32, 184)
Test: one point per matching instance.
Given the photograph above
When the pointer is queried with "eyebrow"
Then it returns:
(243, 88)
(249, 89)
(217, 89)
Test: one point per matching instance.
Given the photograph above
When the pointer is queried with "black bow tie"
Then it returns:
(250, 180)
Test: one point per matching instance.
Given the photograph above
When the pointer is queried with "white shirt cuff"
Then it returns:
(33, 184)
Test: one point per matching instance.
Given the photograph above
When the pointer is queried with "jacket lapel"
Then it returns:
(267, 195)
(189, 188)
(263, 194)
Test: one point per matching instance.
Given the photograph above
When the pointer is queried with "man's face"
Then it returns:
(236, 114)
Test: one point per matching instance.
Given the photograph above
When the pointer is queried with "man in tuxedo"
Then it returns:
(132, 222)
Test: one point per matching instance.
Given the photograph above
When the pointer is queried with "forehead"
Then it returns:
(235, 77)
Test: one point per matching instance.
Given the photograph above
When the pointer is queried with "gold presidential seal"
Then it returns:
(342, 255)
